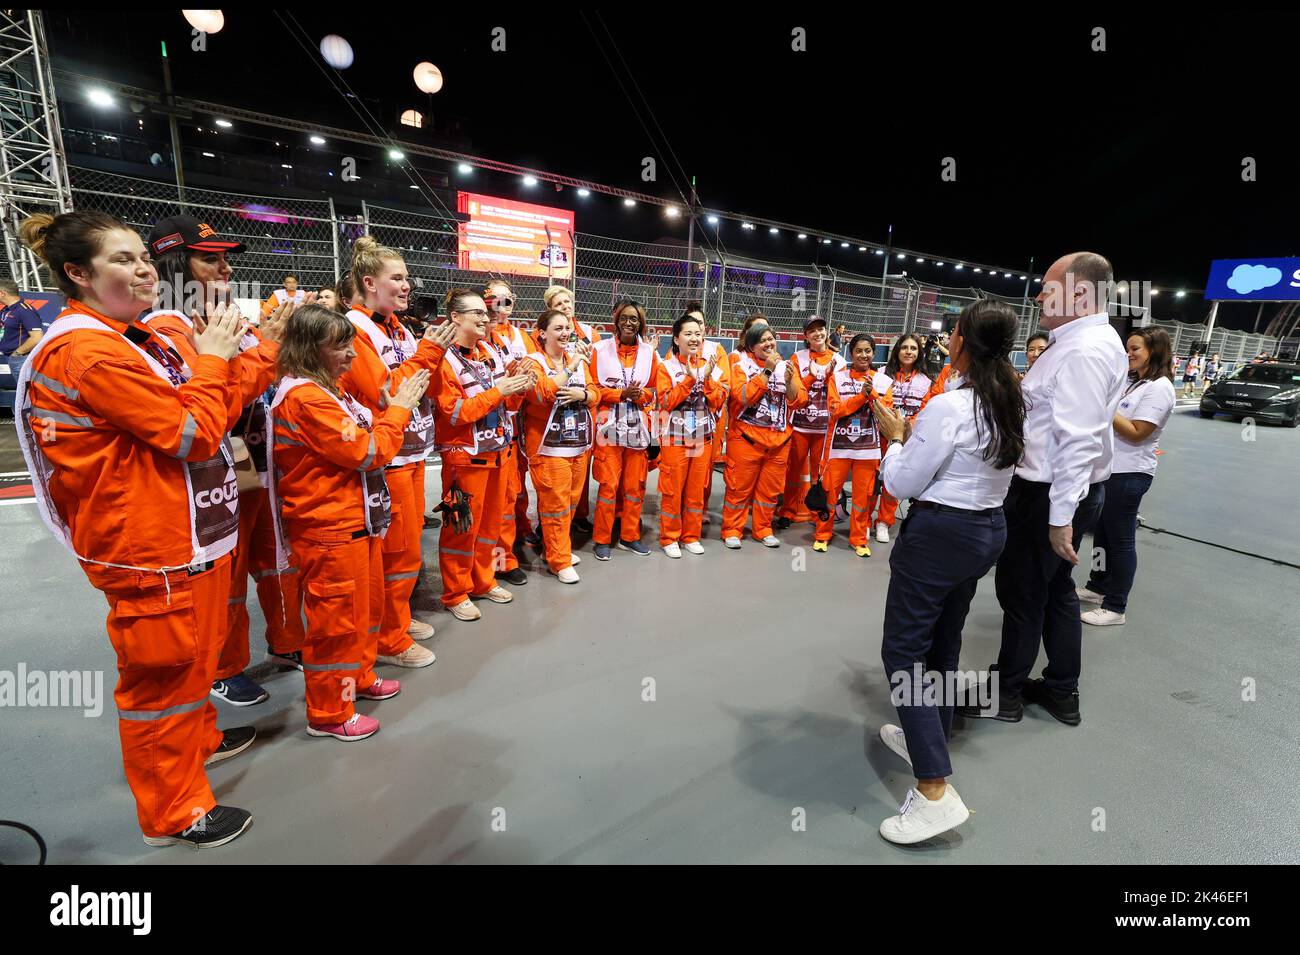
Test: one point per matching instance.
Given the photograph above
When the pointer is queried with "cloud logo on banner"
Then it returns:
(1251, 278)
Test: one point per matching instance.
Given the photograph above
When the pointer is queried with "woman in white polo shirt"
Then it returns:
(1148, 400)
(956, 467)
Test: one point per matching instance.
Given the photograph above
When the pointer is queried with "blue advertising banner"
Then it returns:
(1254, 280)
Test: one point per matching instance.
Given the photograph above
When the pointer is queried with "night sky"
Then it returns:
(1135, 152)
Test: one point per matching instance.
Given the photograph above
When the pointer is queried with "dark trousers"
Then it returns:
(934, 568)
(1116, 539)
(1036, 591)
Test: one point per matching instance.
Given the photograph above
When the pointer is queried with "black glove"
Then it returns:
(455, 503)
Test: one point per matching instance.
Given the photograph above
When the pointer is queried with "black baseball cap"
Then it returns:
(190, 233)
(814, 320)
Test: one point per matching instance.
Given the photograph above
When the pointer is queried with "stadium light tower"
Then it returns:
(33, 168)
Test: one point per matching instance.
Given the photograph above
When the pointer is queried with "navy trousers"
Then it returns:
(1116, 539)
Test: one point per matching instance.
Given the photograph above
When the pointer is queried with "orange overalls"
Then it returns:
(328, 456)
(720, 434)
(131, 472)
(854, 452)
(806, 443)
(758, 444)
(621, 464)
(910, 391)
(516, 346)
(387, 354)
(476, 444)
(558, 441)
(277, 593)
(688, 411)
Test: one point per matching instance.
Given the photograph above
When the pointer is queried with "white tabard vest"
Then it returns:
(373, 486)
(210, 485)
(691, 422)
(812, 417)
(770, 410)
(855, 435)
(495, 431)
(417, 442)
(282, 296)
(908, 394)
(569, 430)
(625, 424)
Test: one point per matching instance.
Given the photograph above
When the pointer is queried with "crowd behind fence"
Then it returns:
(308, 238)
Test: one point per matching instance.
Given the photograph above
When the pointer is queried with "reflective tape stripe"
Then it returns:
(666, 514)
(145, 716)
(507, 517)
(406, 576)
(321, 667)
(289, 441)
(455, 412)
(694, 510)
(862, 510)
(732, 507)
(263, 574)
(286, 424)
(187, 437)
(555, 514)
(629, 497)
(60, 387)
(601, 500)
(761, 504)
(370, 455)
(64, 418)
(486, 540)
(448, 550)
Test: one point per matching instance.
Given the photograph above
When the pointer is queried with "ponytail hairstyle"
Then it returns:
(894, 365)
(72, 238)
(677, 326)
(312, 327)
(1160, 354)
(988, 333)
(456, 300)
(368, 258)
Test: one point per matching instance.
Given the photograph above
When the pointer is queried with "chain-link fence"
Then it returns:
(281, 235)
(306, 237)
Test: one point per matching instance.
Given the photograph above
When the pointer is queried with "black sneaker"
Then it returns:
(1064, 706)
(432, 523)
(293, 658)
(233, 742)
(534, 541)
(781, 523)
(223, 824)
(516, 576)
(583, 524)
(1010, 709)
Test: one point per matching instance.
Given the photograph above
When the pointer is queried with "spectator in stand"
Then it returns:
(1190, 372)
(1143, 413)
(22, 323)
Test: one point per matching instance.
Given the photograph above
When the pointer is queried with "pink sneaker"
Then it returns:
(381, 690)
(358, 727)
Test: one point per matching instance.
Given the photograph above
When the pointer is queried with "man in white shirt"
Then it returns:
(1071, 395)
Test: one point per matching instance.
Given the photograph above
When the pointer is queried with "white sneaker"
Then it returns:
(1101, 617)
(498, 595)
(673, 551)
(419, 630)
(892, 736)
(465, 610)
(1087, 596)
(882, 532)
(732, 543)
(568, 576)
(694, 547)
(919, 818)
(770, 541)
(576, 561)
(414, 656)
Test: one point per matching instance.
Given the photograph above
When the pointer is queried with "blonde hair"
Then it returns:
(553, 291)
(368, 258)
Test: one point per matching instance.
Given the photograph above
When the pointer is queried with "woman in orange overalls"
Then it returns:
(329, 493)
(903, 379)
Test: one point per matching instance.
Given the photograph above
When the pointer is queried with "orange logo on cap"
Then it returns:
(206, 230)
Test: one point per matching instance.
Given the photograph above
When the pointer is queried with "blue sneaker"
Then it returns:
(635, 547)
(239, 690)
(602, 551)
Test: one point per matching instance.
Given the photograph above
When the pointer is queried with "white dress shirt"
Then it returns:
(1070, 405)
(1151, 401)
(943, 460)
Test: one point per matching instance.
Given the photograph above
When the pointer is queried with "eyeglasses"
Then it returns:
(476, 312)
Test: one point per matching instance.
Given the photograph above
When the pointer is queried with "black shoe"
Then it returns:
(534, 541)
(1010, 709)
(516, 576)
(781, 523)
(291, 659)
(1064, 706)
(432, 523)
(233, 742)
(223, 824)
(582, 524)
